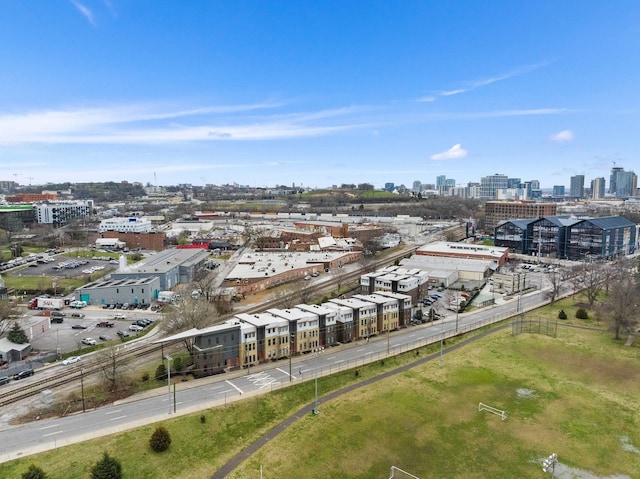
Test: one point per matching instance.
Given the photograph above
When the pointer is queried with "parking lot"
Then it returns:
(90, 322)
(63, 266)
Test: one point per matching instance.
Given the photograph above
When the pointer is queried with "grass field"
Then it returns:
(577, 395)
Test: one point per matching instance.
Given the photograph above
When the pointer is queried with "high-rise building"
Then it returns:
(597, 188)
(613, 179)
(576, 190)
(626, 184)
(514, 182)
(490, 184)
(417, 186)
(558, 190)
(440, 181)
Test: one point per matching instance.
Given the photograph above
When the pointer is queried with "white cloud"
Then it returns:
(148, 123)
(85, 11)
(472, 85)
(426, 99)
(562, 136)
(456, 151)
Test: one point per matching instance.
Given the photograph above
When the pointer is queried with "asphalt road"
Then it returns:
(41, 435)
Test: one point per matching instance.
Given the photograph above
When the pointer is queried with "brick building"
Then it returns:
(497, 211)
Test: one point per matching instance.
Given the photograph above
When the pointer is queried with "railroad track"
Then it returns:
(76, 371)
(73, 373)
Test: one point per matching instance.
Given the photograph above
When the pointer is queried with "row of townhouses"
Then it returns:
(251, 339)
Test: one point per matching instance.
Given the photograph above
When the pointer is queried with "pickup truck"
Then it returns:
(105, 324)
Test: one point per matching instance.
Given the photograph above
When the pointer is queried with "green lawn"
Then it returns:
(576, 395)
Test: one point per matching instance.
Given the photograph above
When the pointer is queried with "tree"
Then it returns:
(17, 334)
(107, 468)
(187, 314)
(8, 310)
(286, 296)
(555, 279)
(581, 313)
(160, 439)
(161, 372)
(593, 278)
(450, 299)
(113, 365)
(623, 300)
(177, 364)
(34, 472)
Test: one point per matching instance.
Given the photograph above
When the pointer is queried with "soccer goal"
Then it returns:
(395, 469)
(497, 412)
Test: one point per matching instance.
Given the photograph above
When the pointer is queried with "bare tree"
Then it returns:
(623, 300)
(206, 282)
(113, 366)
(622, 305)
(592, 275)
(305, 293)
(187, 314)
(287, 296)
(339, 275)
(555, 278)
(450, 299)
(8, 312)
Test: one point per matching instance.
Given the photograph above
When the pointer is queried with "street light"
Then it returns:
(82, 388)
(317, 351)
(441, 341)
(549, 464)
(290, 354)
(168, 358)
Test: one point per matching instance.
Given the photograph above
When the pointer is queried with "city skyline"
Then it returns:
(316, 94)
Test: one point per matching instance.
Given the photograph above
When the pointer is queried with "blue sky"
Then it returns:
(317, 93)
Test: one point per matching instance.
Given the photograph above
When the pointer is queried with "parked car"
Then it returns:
(120, 316)
(77, 315)
(78, 326)
(89, 341)
(135, 327)
(122, 333)
(4, 380)
(103, 337)
(71, 360)
(25, 373)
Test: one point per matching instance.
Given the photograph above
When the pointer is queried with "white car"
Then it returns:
(120, 316)
(71, 360)
(135, 327)
(89, 341)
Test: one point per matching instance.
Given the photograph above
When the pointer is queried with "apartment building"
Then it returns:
(498, 211)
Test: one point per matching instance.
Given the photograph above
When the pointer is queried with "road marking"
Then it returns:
(359, 350)
(234, 386)
(116, 418)
(338, 361)
(112, 412)
(330, 358)
(217, 387)
(49, 427)
(52, 434)
(286, 372)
